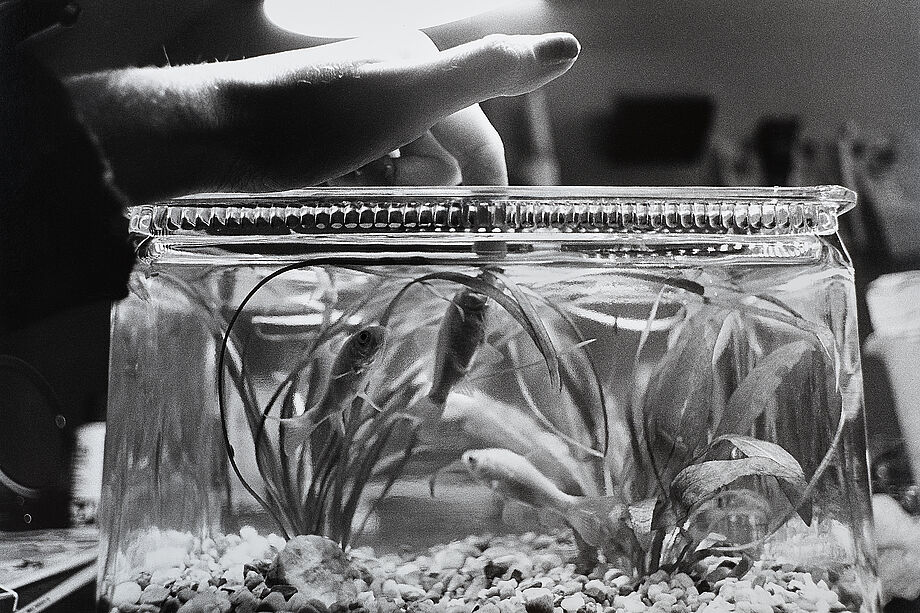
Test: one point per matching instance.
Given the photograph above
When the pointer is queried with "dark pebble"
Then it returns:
(171, 605)
(219, 582)
(249, 606)
(517, 575)
(541, 605)
(273, 602)
(336, 607)
(242, 595)
(285, 590)
(307, 608)
(319, 605)
(143, 580)
(253, 579)
(354, 606)
(420, 606)
(494, 571)
(186, 594)
(719, 573)
(703, 586)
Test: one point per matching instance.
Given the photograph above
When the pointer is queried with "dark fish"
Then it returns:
(345, 379)
(462, 332)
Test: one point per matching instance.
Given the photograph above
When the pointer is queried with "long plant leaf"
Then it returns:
(758, 393)
(756, 448)
(678, 401)
(700, 482)
(363, 469)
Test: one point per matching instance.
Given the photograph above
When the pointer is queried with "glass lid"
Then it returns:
(508, 210)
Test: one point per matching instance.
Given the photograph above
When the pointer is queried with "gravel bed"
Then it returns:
(526, 573)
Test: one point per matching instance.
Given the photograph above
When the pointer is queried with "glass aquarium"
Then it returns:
(551, 400)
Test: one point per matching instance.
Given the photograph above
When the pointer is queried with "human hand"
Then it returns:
(303, 117)
(897, 536)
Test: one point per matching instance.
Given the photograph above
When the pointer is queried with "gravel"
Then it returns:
(528, 573)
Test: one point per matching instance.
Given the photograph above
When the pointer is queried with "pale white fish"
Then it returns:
(595, 519)
(634, 324)
(490, 422)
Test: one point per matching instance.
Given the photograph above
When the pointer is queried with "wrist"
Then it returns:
(162, 130)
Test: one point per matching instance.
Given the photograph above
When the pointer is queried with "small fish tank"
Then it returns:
(540, 400)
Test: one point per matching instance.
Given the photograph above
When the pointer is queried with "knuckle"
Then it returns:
(506, 55)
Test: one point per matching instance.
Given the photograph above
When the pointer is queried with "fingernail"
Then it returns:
(554, 49)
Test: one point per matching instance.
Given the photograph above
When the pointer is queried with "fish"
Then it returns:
(460, 335)
(489, 422)
(595, 518)
(346, 376)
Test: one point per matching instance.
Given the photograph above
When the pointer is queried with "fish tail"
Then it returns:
(594, 518)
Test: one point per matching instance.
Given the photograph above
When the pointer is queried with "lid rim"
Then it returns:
(604, 211)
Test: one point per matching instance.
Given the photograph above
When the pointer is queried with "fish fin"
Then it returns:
(459, 405)
(454, 467)
(560, 468)
(464, 388)
(594, 518)
(488, 357)
(428, 410)
(295, 430)
(338, 422)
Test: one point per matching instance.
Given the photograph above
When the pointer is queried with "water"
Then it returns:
(691, 409)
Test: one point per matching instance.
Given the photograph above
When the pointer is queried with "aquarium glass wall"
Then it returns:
(551, 400)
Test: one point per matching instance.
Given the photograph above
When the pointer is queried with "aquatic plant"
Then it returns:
(704, 428)
(313, 474)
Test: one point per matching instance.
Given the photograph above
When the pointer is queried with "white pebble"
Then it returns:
(276, 541)
(632, 603)
(506, 588)
(572, 603)
(390, 589)
(654, 590)
(596, 589)
(126, 593)
(409, 592)
(164, 576)
(620, 581)
(534, 594)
